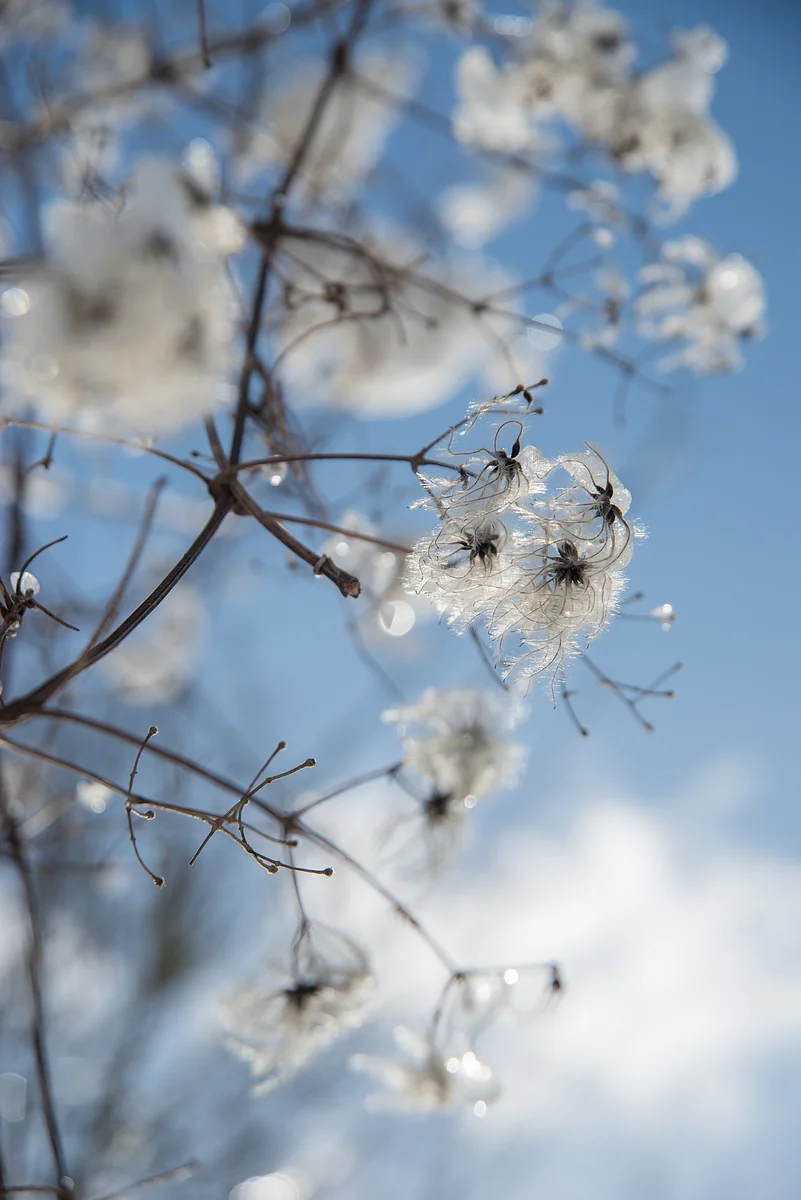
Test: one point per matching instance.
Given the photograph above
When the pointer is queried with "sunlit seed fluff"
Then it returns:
(458, 743)
(277, 1030)
(561, 594)
(429, 1079)
(461, 567)
(531, 548)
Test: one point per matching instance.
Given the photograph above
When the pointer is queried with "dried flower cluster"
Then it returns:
(278, 1030)
(707, 303)
(442, 1070)
(533, 549)
(457, 744)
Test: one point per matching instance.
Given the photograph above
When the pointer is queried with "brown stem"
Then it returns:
(34, 968)
(33, 700)
(338, 66)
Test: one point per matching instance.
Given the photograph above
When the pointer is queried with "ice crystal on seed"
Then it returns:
(27, 585)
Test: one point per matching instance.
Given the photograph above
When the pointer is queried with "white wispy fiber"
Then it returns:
(536, 559)
(458, 742)
(277, 1030)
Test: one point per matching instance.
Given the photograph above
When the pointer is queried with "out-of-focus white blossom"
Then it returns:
(458, 743)
(575, 68)
(457, 750)
(113, 65)
(129, 322)
(572, 66)
(667, 130)
(33, 20)
(580, 57)
(709, 304)
(429, 1079)
(492, 113)
(278, 1030)
(114, 56)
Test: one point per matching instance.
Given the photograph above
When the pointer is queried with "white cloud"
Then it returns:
(683, 967)
(684, 970)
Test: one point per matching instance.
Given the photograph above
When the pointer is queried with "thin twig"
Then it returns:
(616, 690)
(486, 658)
(288, 821)
(370, 879)
(146, 815)
(350, 786)
(338, 65)
(34, 962)
(571, 712)
(28, 704)
(313, 523)
(106, 439)
(173, 1175)
(136, 553)
(204, 42)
